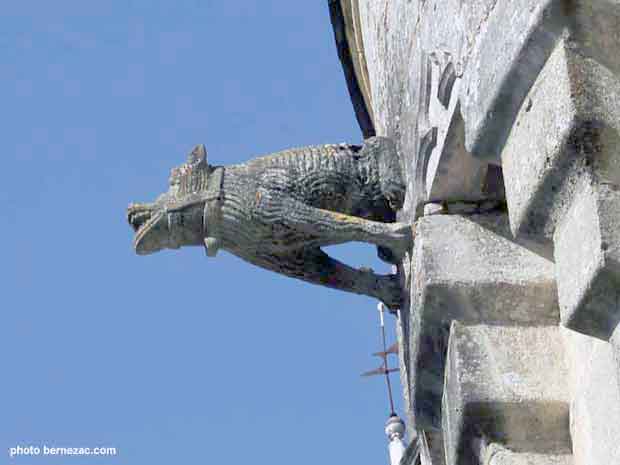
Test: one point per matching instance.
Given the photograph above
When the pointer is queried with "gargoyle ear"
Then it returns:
(197, 156)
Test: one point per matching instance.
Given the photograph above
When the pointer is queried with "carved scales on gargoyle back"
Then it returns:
(277, 212)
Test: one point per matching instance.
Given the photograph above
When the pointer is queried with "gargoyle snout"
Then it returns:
(138, 214)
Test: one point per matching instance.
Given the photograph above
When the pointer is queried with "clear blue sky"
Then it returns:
(171, 358)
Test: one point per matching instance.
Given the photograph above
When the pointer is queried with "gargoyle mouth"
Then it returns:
(138, 215)
(146, 221)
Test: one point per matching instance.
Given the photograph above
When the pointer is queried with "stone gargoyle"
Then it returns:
(277, 212)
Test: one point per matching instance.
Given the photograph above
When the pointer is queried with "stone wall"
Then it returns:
(506, 114)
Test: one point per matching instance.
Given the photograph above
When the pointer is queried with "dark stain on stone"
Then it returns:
(586, 139)
(568, 7)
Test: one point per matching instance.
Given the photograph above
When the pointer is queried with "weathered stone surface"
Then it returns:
(277, 212)
(587, 251)
(595, 399)
(435, 452)
(563, 176)
(595, 26)
(565, 137)
(394, 70)
(411, 46)
(494, 389)
(615, 344)
(467, 269)
(512, 458)
(450, 172)
(457, 84)
(508, 42)
(494, 453)
(350, 45)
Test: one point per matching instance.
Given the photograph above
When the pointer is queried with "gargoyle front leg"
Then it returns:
(315, 266)
(325, 227)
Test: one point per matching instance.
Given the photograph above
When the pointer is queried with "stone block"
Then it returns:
(595, 399)
(587, 255)
(595, 26)
(511, 458)
(565, 137)
(467, 269)
(505, 53)
(494, 390)
(563, 179)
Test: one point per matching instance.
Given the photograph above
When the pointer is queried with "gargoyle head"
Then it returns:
(175, 218)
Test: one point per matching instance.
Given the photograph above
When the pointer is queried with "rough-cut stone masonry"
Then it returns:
(506, 115)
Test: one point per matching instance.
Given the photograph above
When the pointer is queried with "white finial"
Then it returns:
(395, 431)
(381, 309)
